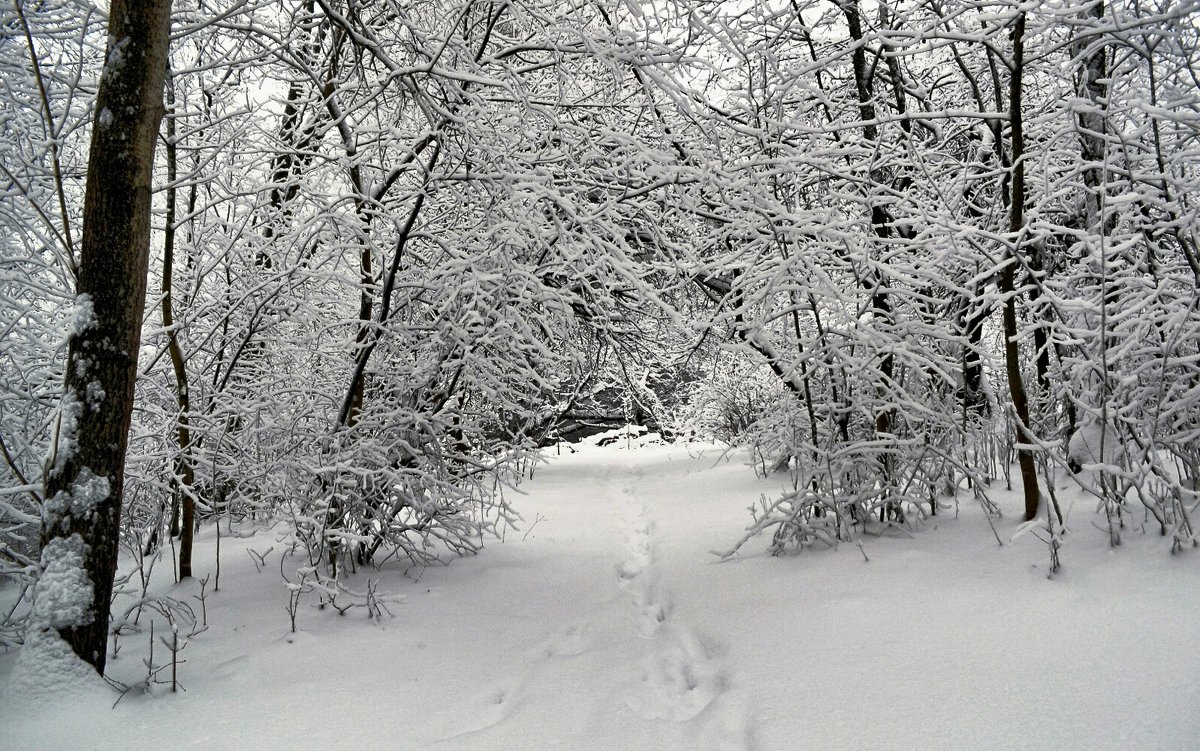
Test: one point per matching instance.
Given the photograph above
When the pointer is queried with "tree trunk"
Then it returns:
(185, 475)
(974, 399)
(1007, 280)
(84, 478)
(1091, 120)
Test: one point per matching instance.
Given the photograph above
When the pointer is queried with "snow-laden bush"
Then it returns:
(727, 402)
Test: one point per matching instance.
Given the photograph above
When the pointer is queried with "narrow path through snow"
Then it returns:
(622, 672)
(682, 676)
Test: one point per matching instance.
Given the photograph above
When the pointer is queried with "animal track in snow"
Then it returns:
(639, 557)
(633, 566)
(677, 683)
(651, 604)
(683, 680)
(653, 609)
(725, 725)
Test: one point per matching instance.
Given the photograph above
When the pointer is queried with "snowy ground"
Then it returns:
(608, 624)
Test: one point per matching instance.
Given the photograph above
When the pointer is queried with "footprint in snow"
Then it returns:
(725, 725)
(639, 557)
(652, 610)
(676, 684)
(636, 562)
(633, 566)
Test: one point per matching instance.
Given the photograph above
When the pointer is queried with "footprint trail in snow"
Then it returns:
(683, 679)
(613, 663)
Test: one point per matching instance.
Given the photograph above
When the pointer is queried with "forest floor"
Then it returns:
(607, 622)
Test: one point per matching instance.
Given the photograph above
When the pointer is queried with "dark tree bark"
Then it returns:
(974, 399)
(1007, 279)
(85, 477)
(185, 475)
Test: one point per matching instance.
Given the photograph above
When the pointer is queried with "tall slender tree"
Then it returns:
(84, 477)
(1007, 278)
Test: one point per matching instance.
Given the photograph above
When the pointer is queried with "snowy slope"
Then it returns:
(608, 624)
